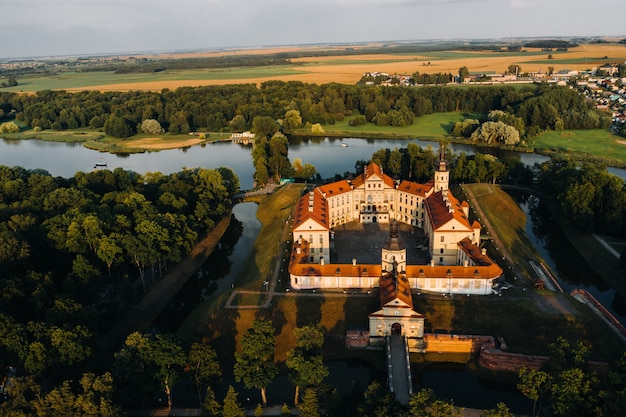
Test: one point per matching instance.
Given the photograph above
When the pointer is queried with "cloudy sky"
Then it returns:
(72, 27)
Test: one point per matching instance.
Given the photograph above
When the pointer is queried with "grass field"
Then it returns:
(346, 69)
(433, 126)
(509, 222)
(597, 142)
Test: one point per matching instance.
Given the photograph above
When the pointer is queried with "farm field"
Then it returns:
(346, 69)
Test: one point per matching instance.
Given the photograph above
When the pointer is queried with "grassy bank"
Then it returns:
(601, 145)
(100, 141)
(435, 126)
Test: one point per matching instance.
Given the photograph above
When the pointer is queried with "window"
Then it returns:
(441, 250)
(443, 239)
(441, 259)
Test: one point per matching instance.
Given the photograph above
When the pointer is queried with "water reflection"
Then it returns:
(218, 272)
(451, 382)
(572, 270)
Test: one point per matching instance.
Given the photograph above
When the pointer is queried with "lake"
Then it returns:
(327, 155)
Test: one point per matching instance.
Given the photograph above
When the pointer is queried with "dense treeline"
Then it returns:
(588, 194)
(550, 43)
(531, 112)
(157, 65)
(418, 164)
(234, 107)
(72, 251)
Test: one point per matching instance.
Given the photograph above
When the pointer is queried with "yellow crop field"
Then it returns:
(348, 69)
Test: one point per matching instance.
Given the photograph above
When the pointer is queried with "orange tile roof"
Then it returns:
(334, 270)
(371, 170)
(311, 205)
(335, 188)
(474, 252)
(415, 188)
(395, 286)
(439, 213)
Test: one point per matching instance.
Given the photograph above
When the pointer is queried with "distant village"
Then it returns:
(601, 85)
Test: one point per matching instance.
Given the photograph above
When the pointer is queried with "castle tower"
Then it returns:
(442, 172)
(394, 250)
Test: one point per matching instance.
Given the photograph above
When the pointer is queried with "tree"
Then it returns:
(493, 133)
(238, 123)
(148, 363)
(108, 251)
(9, 127)
(264, 127)
(254, 362)
(91, 399)
(514, 69)
(231, 407)
(179, 124)
(309, 406)
(278, 162)
(425, 404)
(317, 128)
(210, 406)
(204, 366)
(117, 127)
(378, 402)
(501, 410)
(152, 127)
(463, 74)
(305, 360)
(292, 121)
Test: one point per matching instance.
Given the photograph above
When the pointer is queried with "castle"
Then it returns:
(457, 263)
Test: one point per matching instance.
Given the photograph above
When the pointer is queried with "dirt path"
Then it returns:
(549, 304)
(139, 316)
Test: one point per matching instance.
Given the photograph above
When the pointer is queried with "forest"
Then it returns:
(235, 107)
(75, 251)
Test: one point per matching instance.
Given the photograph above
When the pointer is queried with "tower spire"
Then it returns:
(442, 172)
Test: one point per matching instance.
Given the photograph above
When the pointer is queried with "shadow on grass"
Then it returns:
(309, 310)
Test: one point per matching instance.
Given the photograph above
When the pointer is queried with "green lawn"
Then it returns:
(66, 80)
(428, 127)
(597, 142)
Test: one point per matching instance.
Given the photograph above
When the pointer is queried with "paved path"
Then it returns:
(606, 246)
(282, 254)
(399, 372)
(160, 294)
(556, 304)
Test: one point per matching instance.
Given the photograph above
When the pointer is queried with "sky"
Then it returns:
(33, 28)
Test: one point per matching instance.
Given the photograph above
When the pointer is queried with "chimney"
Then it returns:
(432, 262)
(298, 251)
(465, 263)
(354, 262)
(322, 261)
(483, 251)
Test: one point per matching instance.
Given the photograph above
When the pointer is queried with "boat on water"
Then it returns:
(100, 164)
(344, 145)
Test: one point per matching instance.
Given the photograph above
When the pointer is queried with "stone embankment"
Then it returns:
(586, 298)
